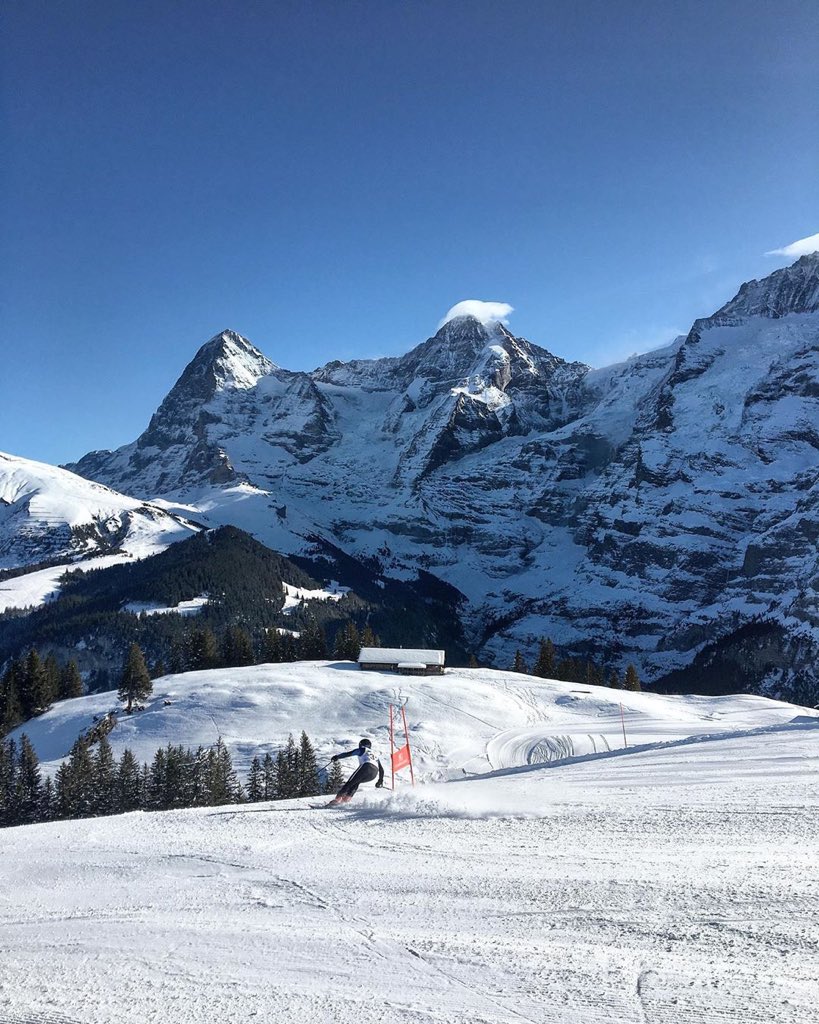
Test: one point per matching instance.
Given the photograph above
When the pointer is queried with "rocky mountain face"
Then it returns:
(649, 509)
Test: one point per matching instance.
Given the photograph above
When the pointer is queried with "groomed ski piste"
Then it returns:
(539, 871)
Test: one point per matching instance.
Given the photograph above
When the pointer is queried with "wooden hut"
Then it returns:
(406, 661)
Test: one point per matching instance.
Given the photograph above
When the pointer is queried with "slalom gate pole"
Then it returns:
(406, 737)
(623, 721)
(392, 749)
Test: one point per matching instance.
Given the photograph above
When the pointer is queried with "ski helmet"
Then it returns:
(365, 743)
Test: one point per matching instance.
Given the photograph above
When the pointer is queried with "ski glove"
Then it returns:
(379, 784)
(334, 757)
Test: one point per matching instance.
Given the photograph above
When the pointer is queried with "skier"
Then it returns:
(369, 767)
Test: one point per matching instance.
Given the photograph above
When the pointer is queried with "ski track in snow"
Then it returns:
(671, 884)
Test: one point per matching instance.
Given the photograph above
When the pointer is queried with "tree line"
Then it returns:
(31, 684)
(201, 649)
(91, 782)
(585, 671)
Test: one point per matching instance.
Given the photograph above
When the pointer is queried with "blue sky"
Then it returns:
(328, 178)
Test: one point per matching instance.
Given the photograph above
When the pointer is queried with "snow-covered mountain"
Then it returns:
(649, 508)
(51, 517)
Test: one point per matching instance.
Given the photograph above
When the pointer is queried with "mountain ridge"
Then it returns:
(650, 507)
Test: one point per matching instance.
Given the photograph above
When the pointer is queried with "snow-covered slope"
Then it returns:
(51, 515)
(472, 720)
(644, 510)
(669, 886)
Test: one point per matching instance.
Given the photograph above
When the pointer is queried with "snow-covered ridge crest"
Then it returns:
(48, 514)
(791, 290)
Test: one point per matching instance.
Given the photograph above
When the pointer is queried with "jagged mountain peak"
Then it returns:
(793, 289)
(227, 360)
(467, 328)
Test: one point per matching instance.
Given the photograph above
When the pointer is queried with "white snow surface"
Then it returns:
(35, 588)
(293, 596)
(669, 883)
(475, 720)
(47, 513)
(192, 607)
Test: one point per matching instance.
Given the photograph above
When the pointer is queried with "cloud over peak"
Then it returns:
(487, 312)
(802, 247)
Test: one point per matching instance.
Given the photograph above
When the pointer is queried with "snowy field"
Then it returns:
(674, 883)
(471, 720)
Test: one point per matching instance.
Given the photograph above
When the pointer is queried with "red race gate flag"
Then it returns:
(401, 758)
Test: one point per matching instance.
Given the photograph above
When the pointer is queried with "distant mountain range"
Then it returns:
(662, 510)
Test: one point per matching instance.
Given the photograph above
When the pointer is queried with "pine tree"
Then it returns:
(144, 785)
(287, 774)
(281, 777)
(569, 671)
(135, 683)
(8, 780)
(51, 670)
(288, 647)
(158, 782)
(545, 664)
(11, 711)
(225, 788)
(368, 638)
(203, 651)
(593, 674)
(158, 669)
(632, 679)
(308, 782)
(272, 647)
(34, 693)
(255, 782)
(178, 790)
(177, 659)
(48, 801)
(28, 784)
(615, 682)
(105, 779)
(340, 644)
(128, 783)
(335, 778)
(312, 642)
(519, 664)
(70, 682)
(347, 643)
(268, 778)
(200, 779)
(237, 648)
(74, 784)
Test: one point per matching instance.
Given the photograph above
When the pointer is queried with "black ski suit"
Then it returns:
(369, 768)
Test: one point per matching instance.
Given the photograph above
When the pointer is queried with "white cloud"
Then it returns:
(487, 312)
(801, 248)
